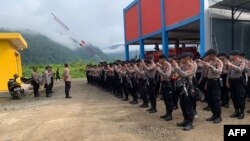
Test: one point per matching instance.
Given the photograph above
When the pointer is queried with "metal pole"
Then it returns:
(233, 28)
(165, 49)
(127, 52)
(142, 56)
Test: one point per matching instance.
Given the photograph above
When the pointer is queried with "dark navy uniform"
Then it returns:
(224, 89)
(133, 90)
(142, 78)
(237, 88)
(165, 71)
(150, 72)
(186, 74)
(213, 85)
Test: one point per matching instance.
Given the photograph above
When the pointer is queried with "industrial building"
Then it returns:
(220, 24)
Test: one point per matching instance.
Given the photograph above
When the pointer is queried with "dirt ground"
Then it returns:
(94, 115)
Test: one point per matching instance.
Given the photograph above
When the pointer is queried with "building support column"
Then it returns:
(142, 56)
(165, 43)
(202, 28)
(127, 52)
(232, 28)
(164, 32)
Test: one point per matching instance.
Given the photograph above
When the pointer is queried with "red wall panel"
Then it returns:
(131, 23)
(150, 16)
(178, 10)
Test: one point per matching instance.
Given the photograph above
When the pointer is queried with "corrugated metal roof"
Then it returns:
(228, 4)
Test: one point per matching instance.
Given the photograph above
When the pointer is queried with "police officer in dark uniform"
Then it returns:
(150, 71)
(213, 85)
(35, 81)
(203, 81)
(132, 76)
(125, 82)
(118, 79)
(224, 89)
(185, 71)
(164, 68)
(173, 79)
(142, 78)
(236, 84)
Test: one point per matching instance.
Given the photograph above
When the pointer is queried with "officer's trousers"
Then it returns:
(133, 90)
(214, 96)
(224, 90)
(175, 92)
(248, 87)
(36, 89)
(67, 88)
(238, 94)
(187, 106)
(151, 93)
(143, 90)
(167, 95)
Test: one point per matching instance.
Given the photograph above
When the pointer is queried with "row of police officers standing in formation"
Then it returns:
(47, 80)
(179, 80)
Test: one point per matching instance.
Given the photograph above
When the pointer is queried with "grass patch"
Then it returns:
(77, 69)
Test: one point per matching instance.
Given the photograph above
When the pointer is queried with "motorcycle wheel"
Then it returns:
(17, 96)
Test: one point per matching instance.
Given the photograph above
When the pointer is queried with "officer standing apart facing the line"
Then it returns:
(35, 82)
(67, 80)
(47, 79)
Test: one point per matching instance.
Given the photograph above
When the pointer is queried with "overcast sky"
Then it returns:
(99, 22)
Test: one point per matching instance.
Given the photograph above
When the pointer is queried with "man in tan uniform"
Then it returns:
(67, 80)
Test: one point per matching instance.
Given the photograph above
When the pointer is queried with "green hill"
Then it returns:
(43, 50)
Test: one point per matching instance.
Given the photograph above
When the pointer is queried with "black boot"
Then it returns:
(217, 120)
(181, 124)
(125, 99)
(68, 97)
(168, 118)
(235, 114)
(142, 105)
(164, 116)
(188, 127)
(169, 115)
(241, 114)
(212, 118)
(145, 106)
(153, 111)
(133, 102)
(150, 109)
(189, 124)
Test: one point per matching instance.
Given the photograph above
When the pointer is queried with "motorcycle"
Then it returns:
(14, 87)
